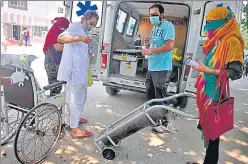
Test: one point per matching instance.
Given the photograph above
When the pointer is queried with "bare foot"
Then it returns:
(77, 133)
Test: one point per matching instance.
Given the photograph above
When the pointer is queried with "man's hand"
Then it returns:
(86, 39)
(169, 46)
(146, 52)
(70, 39)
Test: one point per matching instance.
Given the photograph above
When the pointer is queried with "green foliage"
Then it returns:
(245, 37)
(244, 22)
(244, 26)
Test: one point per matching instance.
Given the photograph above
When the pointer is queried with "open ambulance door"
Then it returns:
(74, 11)
(236, 7)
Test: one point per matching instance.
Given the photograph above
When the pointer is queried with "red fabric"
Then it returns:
(218, 118)
(10, 42)
(55, 31)
(199, 101)
(83, 120)
(26, 33)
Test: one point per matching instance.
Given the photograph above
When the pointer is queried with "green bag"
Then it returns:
(90, 81)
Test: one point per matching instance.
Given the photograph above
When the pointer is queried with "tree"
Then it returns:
(244, 26)
(245, 37)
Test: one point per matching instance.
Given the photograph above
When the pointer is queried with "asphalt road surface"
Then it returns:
(145, 147)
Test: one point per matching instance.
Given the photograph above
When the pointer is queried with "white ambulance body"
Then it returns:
(118, 62)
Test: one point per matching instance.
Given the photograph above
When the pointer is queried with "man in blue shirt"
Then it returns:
(159, 54)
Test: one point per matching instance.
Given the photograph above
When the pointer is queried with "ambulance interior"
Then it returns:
(127, 61)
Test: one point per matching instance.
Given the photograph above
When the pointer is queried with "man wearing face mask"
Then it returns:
(74, 68)
(159, 54)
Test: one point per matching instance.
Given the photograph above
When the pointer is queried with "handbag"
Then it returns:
(218, 118)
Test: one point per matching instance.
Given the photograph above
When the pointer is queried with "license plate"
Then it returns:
(128, 67)
(124, 58)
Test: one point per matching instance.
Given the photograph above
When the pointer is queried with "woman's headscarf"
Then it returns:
(224, 45)
(60, 25)
(226, 30)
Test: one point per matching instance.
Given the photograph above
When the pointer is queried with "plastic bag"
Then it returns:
(177, 54)
(90, 80)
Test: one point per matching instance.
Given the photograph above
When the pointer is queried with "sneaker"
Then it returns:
(162, 126)
(160, 129)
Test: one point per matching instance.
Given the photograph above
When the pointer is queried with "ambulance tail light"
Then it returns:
(104, 60)
(186, 72)
(187, 67)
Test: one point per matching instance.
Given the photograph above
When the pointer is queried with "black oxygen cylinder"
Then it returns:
(133, 125)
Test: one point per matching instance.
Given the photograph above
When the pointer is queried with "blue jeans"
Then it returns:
(27, 41)
(52, 61)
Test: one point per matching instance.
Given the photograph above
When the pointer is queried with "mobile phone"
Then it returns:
(192, 63)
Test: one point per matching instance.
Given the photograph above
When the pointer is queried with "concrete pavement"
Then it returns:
(144, 146)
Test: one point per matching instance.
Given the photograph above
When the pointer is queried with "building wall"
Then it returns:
(37, 17)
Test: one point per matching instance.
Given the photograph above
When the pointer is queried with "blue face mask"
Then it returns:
(155, 20)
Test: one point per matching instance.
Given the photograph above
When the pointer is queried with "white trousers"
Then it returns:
(76, 96)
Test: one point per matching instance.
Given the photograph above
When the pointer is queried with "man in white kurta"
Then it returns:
(74, 68)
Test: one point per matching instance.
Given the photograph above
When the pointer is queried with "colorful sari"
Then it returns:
(224, 45)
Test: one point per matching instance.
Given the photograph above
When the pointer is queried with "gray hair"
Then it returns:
(90, 14)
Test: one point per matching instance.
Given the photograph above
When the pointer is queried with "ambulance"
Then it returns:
(120, 33)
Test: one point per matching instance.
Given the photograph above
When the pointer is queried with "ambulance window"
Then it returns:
(131, 26)
(82, 5)
(121, 21)
(207, 7)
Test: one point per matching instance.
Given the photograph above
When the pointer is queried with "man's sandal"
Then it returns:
(192, 163)
(84, 134)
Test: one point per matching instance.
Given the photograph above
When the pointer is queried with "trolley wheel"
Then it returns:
(108, 154)
(33, 145)
(9, 127)
(182, 102)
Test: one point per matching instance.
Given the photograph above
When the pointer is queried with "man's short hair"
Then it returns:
(90, 14)
(159, 6)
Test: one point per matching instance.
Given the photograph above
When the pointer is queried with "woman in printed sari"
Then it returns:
(224, 50)
(53, 51)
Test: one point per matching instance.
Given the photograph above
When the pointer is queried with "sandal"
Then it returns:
(192, 163)
(80, 135)
(83, 120)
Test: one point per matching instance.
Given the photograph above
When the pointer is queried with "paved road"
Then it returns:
(144, 146)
